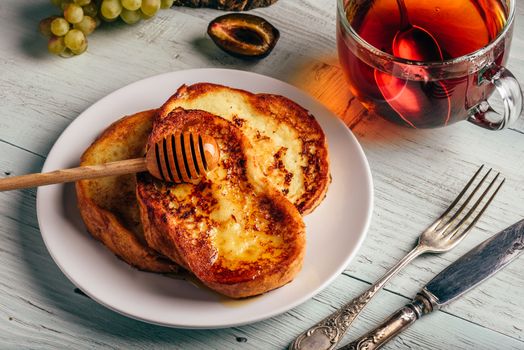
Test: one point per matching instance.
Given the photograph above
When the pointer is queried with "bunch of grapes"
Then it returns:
(67, 34)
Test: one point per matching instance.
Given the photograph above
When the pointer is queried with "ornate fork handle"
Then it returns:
(327, 333)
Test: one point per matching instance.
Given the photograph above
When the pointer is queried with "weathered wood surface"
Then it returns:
(416, 174)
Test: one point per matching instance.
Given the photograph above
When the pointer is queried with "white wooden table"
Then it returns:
(416, 174)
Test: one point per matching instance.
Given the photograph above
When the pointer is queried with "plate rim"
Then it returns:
(276, 311)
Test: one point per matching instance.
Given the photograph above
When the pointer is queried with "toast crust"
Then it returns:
(108, 205)
(233, 230)
(289, 143)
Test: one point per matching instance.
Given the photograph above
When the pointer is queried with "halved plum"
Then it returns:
(243, 35)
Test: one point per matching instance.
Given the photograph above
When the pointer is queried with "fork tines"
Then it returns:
(473, 200)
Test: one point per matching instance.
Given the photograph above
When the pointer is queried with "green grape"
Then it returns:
(74, 39)
(45, 26)
(150, 7)
(56, 45)
(131, 5)
(64, 3)
(82, 2)
(144, 16)
(56, 2)
(90, 9)
(73, 13)
(86, 26)
(67, 53)
(130, 17)
(165, 4)
(59, 26)
(111, 9)
(80, 50)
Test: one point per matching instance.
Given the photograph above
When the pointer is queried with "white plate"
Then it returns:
(335, 230)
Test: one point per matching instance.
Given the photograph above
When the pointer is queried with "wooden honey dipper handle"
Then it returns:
(177, 158)
(73, 174)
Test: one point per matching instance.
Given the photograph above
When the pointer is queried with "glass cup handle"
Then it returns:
(509, 89)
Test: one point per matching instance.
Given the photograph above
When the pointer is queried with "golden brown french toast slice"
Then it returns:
(108, 205)
(234, 231)
(289, 144)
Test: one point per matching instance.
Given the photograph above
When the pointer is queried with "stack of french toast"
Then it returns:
(239, 230)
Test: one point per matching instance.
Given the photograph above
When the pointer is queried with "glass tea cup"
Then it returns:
(423, 94)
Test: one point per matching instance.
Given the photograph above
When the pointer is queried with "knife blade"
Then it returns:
(467, 272)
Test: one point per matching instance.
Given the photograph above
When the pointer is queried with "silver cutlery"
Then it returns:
(443, 235)
(477, 265)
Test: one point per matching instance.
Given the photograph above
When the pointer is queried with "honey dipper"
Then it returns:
(181, 157)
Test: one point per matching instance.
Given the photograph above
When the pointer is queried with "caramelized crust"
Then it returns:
(289, 143)
(108, 205)
(233, 230)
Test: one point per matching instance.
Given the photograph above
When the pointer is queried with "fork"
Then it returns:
(441, 236)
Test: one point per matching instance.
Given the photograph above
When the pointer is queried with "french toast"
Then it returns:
(289, 143)
(108, 205)
(233, 230)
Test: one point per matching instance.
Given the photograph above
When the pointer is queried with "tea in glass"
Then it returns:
(413, 93)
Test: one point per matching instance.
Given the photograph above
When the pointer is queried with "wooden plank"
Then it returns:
(411, 193)
(179, 41)
(394, 153)
(30, 103)
(326, 83)
(33, 115)
(403, 188)
(42, 309)
(411, 170)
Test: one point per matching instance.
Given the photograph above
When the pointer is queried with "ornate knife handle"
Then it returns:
(326, 334)
(401, 320)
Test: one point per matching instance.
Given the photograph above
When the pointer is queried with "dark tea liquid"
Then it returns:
(459, 27)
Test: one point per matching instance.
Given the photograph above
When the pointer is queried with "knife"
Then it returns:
(464, 274)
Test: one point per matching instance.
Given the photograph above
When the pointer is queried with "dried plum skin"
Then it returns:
(243, 35)
(230, 5)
